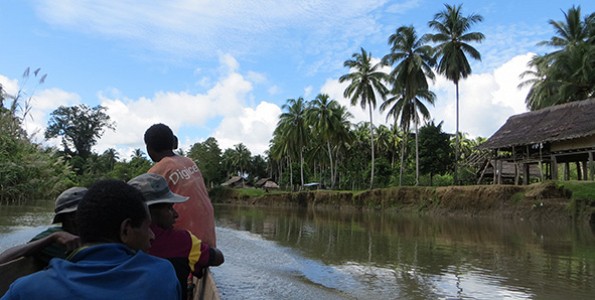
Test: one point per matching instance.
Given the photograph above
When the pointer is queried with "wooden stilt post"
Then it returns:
(554, 168)
(591, 166)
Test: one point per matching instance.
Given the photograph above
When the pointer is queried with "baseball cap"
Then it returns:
(155, 190)
(68, 201)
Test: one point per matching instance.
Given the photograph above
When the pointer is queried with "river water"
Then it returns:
(300, 254)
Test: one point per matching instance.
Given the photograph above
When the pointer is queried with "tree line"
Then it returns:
(315, 140)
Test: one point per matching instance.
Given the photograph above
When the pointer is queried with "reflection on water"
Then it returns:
(380, 256)
(20, 223)
(298, 254)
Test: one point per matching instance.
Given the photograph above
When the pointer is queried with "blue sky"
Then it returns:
(225, 68)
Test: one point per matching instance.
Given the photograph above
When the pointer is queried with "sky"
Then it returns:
(225, 68)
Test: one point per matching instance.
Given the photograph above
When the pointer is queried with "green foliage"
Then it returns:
(79, 127)
(207, 156)
(26, 171)
(435, 153)
(566, 74)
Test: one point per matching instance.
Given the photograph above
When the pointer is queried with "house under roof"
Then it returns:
(557, 134)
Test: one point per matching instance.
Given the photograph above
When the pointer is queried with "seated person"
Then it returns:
(56, 241)
(113, 223)
(184, 250)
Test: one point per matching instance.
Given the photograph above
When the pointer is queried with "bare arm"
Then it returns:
(64, 238)
(216, 257)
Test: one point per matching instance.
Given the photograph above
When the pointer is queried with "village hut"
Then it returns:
(234, 182)
(557, 135)
(260, 182)
(270, 185)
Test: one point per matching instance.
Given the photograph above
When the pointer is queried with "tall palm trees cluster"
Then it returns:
(318, 126)
(568, 73)
(403, 92)
(414, 62)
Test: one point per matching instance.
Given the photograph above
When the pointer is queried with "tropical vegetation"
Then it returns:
(568, 73)
(316, 142)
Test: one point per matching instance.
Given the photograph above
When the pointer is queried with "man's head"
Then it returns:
(114, 212)
(159, 139)
(159, 198)
(67, 203)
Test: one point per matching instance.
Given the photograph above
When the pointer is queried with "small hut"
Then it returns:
(235, 182)
(266, 183)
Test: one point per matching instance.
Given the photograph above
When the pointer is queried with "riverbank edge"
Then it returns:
(537, 202)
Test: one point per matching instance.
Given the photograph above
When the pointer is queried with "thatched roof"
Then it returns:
(556, 123)
(233, 180)
(271, 185)
(261, 182)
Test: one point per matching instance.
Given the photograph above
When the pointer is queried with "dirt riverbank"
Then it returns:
(536, 202)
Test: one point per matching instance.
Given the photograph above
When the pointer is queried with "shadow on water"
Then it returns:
(378, 255)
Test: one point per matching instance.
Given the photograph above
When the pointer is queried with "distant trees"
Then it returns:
(79, 127)
(436, 155)
(207, 156)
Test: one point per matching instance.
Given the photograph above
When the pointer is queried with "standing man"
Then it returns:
(114, 225)
(184, 178)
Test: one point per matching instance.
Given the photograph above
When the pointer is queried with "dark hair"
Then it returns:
(159, 137)
(105, 206)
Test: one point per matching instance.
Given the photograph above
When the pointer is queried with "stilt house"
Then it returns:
(552, 138)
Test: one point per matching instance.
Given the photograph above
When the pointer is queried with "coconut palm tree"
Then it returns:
(453, 38)
(410, 85)
(568, 73)
(366, 80)
(414, 61)
(293, 129)
(325, 116)
(409, 110)
(241, 158)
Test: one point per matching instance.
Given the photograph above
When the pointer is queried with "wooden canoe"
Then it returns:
(205, 288)
(12, 270)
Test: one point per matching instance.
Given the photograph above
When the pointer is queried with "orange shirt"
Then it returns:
(184, 178)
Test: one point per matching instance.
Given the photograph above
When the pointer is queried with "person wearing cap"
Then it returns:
(114, 227)
(183, 177)
(184, 250)
(56, 241)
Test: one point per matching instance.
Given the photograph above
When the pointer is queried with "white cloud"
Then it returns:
(254, 128)
(226, 101)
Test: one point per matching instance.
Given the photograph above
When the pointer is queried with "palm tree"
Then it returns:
(453, 45)
(241, 158)
(111, 156)
(293, 130)
(409, 78)
(568, 73)
(365, 81)
(325, 115)
(408, 111)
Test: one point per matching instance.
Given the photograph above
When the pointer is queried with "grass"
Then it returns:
(584, 190)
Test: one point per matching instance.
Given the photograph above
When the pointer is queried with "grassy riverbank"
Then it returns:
(569, 201)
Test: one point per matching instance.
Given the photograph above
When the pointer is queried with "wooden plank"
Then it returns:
(12, 270)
